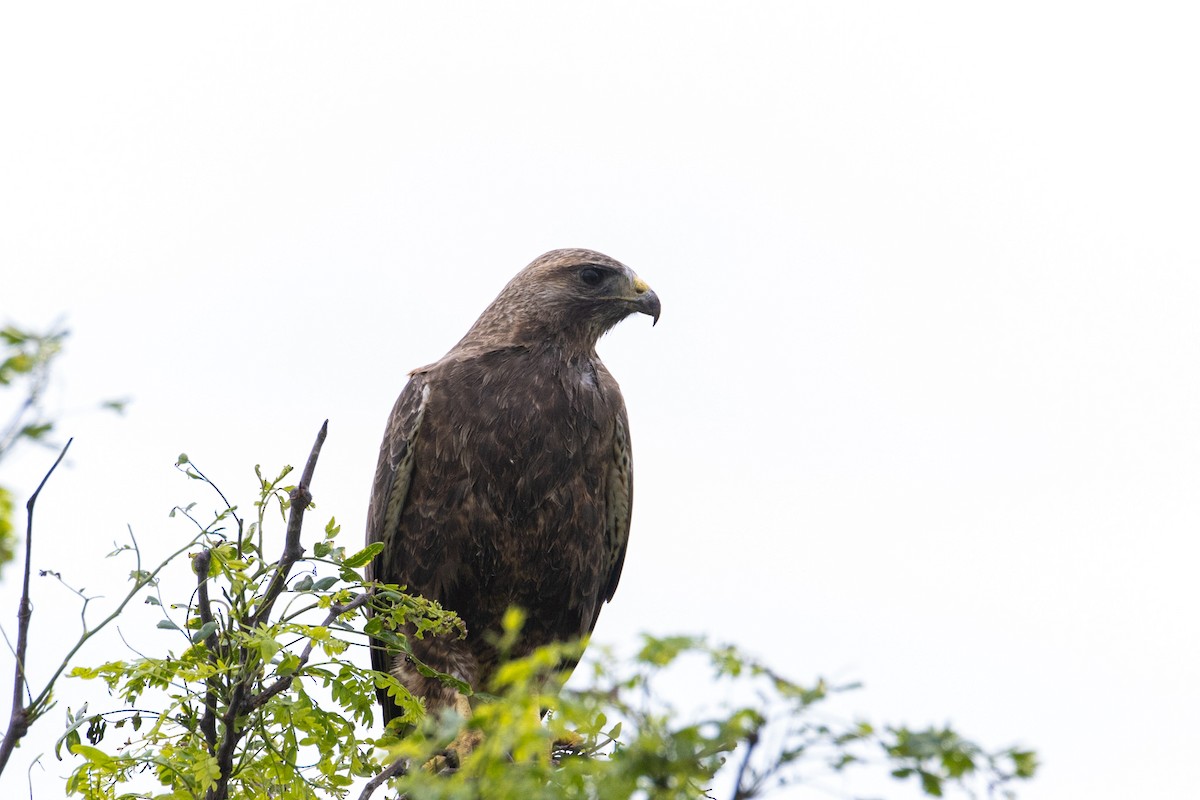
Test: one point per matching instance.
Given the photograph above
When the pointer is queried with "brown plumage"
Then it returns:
(505, 476)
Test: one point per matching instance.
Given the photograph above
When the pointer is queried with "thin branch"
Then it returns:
(143, 580)
(284, 682)
(77, 592)
(300, 497)
(132, 649)
(22, 715)
(11, 433)
(740, 791)
(228, 507)
(396, 768)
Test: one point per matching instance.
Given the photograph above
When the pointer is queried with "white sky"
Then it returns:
(923, 408)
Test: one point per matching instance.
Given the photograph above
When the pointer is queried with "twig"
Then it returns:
(284, 682)
(23, 715)
(9, 437)
(228, 507)
(143, 580)
(739, 791)
(397, 767)
(300, 497)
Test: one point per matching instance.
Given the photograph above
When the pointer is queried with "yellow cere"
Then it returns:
(641, 286)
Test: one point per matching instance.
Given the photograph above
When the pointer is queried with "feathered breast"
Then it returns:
(510, 487)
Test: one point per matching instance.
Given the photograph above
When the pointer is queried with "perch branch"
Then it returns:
(397, 767)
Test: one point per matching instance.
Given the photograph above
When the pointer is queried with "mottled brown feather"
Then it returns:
(505, 474)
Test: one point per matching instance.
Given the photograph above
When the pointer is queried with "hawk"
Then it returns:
(505, 476)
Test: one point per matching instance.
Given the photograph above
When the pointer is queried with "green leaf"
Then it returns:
(70, 740)
(931, 784)
(7, 538)
(288, 664)
(19, 364)
(267, 647)
(661, 652)
(206, 771)
(115, 405)
(957, 763)
(167, 625)
(36, 431)
(92, 754)
(205, 631)
(13, 336)
(1025, 763)
(364, 556)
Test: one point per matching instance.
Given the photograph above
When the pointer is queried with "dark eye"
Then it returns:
(591, 276)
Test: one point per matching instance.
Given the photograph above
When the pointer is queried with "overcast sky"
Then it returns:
(923, 408)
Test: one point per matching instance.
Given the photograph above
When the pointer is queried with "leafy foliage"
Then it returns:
(8, 538)
(618, 737)
(261, 700)
(241, 708)
(26, 360)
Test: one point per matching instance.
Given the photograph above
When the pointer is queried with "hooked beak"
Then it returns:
(646, 301)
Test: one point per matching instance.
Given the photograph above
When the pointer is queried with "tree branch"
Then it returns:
(208, 723)
(23, 715)
(740, 790)
(284, 682)
(240, 699)
(300, 497)
(397, 767)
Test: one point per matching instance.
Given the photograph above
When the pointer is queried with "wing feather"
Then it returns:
(393, 477)
(619, 506)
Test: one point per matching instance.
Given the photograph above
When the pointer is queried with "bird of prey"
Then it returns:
(505, 476)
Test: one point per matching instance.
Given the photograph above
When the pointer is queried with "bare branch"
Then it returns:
(228, 506)
(740, 790)
(23, 715)
(48, 346)
(292, 550)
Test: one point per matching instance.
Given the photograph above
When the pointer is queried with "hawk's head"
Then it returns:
(571, 297)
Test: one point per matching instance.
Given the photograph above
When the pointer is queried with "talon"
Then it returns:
(467, 740)
(438, 764)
